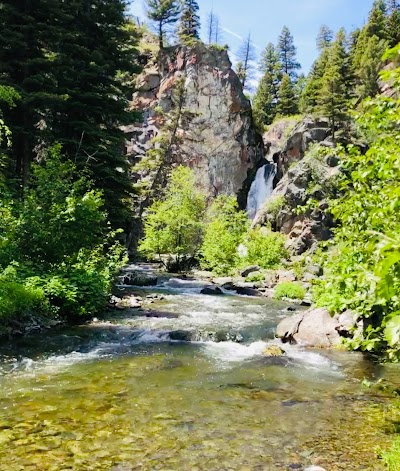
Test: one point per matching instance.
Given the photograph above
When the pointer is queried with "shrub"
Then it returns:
(174, 224)
(225, 229)
(255, 276)
(289, 290)
(265, 248)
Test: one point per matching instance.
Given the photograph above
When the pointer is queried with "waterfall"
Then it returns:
(261, 189)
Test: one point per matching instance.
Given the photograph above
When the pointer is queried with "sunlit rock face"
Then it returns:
(216, 135)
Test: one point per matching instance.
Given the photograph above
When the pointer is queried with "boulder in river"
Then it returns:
(211, 290)
(139, 279)
(314, 328)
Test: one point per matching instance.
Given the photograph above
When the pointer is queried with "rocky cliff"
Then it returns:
(215, 132)
(304, 180)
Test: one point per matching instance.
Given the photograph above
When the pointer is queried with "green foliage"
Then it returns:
(287, 54)
(173, 225)
(70, 62)
(274, 205)
(162, 13)
(57, 253)
(392, 457)
(255, 276)
(289, 290)
(265, 99)
(363, 265)
(287, 103)
(189, 24)
(225, 229)
(265, 248)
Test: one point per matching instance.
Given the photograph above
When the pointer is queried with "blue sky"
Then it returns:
(265, 19)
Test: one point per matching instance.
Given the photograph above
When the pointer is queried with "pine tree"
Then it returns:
(377, 19)
(163, 13)
(369, 67)
(287, 53)
(324, 38)
(246, 55)
(287, 100)
(393, 22)
(310, 94)
(27, 31)
(335, 92)
(65, 60)
(189, 25)
(266, 97)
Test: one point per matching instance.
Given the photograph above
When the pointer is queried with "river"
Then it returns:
(119, 394)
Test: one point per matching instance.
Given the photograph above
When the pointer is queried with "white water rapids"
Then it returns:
(261, 189)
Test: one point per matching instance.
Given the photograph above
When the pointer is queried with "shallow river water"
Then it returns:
(121, 395)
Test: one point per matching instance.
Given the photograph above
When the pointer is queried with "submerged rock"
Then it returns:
(273, 351)
(314, 328)
(211, 290)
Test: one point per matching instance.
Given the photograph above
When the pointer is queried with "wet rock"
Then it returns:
(246, 271)
(139, 279)
(274, 351)
(161, 314)
(181, 336)
(314, 328)
(224, 280)
(248, 291)
(211, 290)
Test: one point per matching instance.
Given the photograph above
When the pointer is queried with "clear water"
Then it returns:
(120, 395)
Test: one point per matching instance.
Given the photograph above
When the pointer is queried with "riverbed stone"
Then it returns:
(315, 468)
(246, 271)
(273, 351)
(139, 279)
(313, 328)
(286, 276)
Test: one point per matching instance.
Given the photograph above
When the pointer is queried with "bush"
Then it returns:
(255, 276)
(174, 225)
(57, 252)
(265, 248)
(225, 229)
(18, 301)
(289, 290)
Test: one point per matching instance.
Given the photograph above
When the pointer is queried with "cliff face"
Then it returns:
(216, 136)
(301, 178)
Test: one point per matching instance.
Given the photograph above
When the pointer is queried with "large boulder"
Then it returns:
(313, 328)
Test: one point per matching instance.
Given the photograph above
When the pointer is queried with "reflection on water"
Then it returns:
(122, 395)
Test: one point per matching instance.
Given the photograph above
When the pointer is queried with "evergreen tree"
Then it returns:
(310, 94)
(162, 13)
(287, 100)
(189, 25)
(266, 97)
(27, 31)
(287, 53)
(370, 65)
(377, 19)
(65, 60)
(245, 66)
(393, 22)
(335, 92)
(324, 38)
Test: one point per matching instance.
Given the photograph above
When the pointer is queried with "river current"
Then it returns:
(188, 390)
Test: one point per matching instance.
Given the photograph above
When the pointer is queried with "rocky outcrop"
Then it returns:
(302, 178)
(316, 328)
(215, 132)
